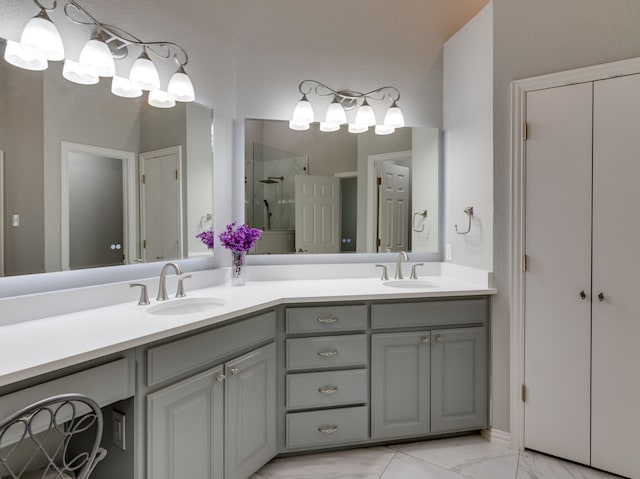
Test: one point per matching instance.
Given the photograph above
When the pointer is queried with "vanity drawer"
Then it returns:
(327, 427)
(326, 318)
(429, 313)
(170, 360)
(331, 388)
(327, 351)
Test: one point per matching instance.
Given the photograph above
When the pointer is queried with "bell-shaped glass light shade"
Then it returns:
(298, 126)
(384, 130)
(329, 126)
(181, 87)
(161, 99)
(81, 74)
(357, 128)
(123, 87)
(41, 34)
(394, 117)
(335, 113)
(24, 57)
(303, 112)
(365, 115)
(96, 55)
(144, 73)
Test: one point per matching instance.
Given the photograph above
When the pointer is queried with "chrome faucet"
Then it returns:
(402, 256)
(162, 286)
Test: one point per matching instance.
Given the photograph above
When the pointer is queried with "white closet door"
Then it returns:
(616, 266)
(558, 248)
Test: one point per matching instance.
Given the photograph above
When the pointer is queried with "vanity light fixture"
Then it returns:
(40, 43)
(346, 100)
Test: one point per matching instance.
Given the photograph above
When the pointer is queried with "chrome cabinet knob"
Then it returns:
(220, 378)
(600, 297)
(582, 294)
(235, 371)
(439, 339)
(425, 340)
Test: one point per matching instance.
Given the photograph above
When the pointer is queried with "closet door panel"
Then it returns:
(616, 266)
(558, 248)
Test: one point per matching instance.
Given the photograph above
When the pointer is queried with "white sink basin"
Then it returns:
(175, 307)
(409, 284)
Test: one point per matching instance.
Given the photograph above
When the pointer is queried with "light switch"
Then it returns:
(119, 429)
(15, 220)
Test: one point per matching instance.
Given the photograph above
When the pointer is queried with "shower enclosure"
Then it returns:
(270, 193)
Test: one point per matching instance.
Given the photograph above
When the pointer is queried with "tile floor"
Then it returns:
(455, 458)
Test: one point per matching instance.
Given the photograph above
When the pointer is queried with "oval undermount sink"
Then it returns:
(409, 284)
(185, 306)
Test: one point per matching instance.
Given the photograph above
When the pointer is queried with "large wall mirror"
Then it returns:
(315, 192)
(92, 179)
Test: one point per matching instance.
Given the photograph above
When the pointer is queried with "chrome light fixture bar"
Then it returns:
(346, 100)
(40, 43)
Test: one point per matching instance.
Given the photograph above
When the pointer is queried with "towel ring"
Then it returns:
(422, 213)
(469, 212)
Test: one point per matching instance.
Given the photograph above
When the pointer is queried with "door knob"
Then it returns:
(582, 295)
(601, 297)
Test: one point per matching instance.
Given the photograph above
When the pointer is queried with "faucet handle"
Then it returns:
(413, 270)
(144, 296)
(180, 291)
(385, 276)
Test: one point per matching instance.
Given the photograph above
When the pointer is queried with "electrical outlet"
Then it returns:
(119, 429)
(447, 252)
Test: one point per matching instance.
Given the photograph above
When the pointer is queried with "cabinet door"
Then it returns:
(185, 429)
(399, 384)
(250, 396)
(558, 228)
(616, 261)
(458, 379)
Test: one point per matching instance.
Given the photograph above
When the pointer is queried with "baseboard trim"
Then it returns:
(497, 437)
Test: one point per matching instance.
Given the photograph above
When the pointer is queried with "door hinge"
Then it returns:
(144, 179)
(176, 174)
(144, 244)
(379, 181)
(378, 242)
(524, 393)
(525, 128)
(524, 263)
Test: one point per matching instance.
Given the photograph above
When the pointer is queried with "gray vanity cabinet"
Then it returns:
(400, 384)
(458, 379)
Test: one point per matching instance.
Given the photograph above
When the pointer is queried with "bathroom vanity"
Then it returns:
(281, 367)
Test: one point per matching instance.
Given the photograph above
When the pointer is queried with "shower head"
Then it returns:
(272, 179)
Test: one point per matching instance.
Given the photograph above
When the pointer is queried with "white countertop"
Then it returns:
(39, 346)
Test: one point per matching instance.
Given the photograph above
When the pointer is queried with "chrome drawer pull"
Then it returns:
(327, 354)
(328, 390)
(328, 429)
(327, 320)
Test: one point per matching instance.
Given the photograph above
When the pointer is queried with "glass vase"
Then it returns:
(238, 271)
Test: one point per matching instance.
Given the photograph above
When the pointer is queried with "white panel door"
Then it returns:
(161, 204)
(393, 207)
(317, 212)
(616, 263)
(558, 248)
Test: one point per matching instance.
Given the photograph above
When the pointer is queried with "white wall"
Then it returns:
(468, 144)
(534, 38)
(425, 194)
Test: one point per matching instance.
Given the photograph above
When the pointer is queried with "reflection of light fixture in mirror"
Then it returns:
(77, 73)
(161, 99)
(40, 41)
(41, 34)
(345, 100)
(24, 57)
(123, 87)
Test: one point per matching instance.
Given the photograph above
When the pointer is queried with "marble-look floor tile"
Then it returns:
(403, 466)
(493, 468)
(461, 453)
(532, 465)
(364, 463)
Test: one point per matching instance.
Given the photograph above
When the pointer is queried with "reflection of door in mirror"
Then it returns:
(393, 206)
(96, 206)
(317, 207)
(161, 204)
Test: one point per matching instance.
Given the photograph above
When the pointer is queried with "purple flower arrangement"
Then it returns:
(240, 238)
(207, 238)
